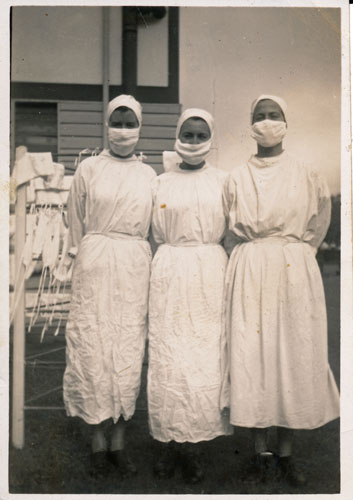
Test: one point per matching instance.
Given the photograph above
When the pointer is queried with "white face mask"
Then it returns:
(193, 154)
(122, 141)
(268, 133)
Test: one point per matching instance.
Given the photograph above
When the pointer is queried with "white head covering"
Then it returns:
(171, 159)
(195, 113)
(129, 102)
(278, 100)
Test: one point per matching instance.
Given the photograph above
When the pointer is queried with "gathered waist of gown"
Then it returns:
(115, 235)
(279, 240)
(191, 244)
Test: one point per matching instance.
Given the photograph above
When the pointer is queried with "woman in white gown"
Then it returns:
(185, 307)
(276, 314)
(109, 212)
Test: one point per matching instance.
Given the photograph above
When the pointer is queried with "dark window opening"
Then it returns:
(36, 127)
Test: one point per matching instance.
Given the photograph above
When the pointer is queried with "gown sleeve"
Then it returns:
(229, 206)
(151, 239)
(156, 237)
(76, 210)
(319, 222)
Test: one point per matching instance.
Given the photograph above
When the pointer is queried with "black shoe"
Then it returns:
(122, 460)
(260, 468)
(98, 463)
(165, 465)
(191, 467)
(288, 471)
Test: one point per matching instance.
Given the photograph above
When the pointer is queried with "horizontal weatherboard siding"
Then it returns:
(81, 127)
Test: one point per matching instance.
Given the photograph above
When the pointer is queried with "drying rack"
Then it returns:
(19, 359)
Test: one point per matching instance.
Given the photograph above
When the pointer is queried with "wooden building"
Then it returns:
(68, 62)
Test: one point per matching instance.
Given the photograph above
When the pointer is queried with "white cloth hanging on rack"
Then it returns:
(30, 166)
(44, 223)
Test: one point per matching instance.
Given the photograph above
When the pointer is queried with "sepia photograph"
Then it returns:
(178, 237)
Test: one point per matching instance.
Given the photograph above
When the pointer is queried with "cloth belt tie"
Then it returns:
(191, 244)
(115, 235)
(281, 240)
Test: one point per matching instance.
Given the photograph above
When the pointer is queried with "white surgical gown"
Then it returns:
(110, 208)
(185, 312)
(276, 314)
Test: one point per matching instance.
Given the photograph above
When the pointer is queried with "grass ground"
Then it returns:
(55, 458)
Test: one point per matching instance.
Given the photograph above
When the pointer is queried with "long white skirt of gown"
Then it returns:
(276, 321)
(185, 337)
(106, 328)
